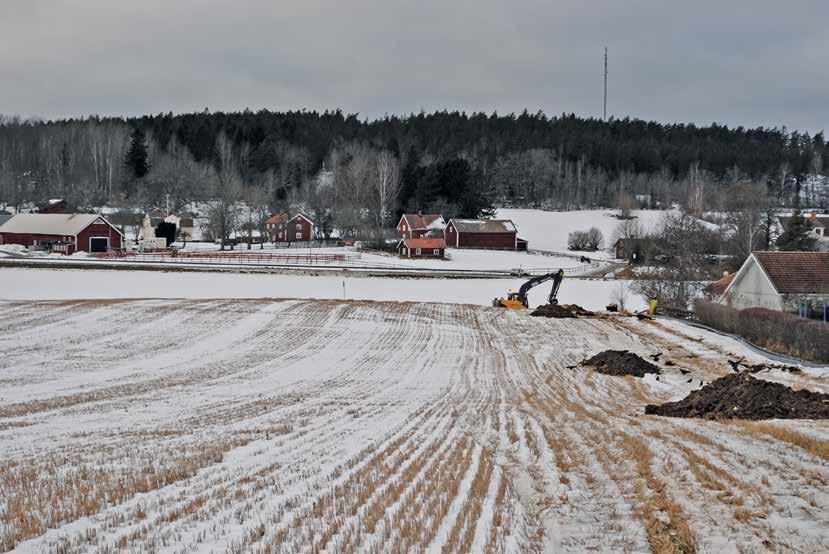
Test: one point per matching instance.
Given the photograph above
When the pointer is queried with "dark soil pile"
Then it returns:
(620, 362)
(745, 397)
(561, 311)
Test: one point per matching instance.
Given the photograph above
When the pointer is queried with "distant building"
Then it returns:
(64, 233)
(820, 224)
(54, 206)
(780, 281)
(490, 234)
(421, 248)
(630, 249)
(419, 225)
(286, 228)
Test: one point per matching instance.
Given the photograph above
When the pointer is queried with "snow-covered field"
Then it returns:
(69, 284)
(332, 426)
(549, 230)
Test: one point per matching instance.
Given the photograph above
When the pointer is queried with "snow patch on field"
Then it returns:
(68, 284)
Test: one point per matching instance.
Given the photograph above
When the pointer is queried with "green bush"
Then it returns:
(777, 331)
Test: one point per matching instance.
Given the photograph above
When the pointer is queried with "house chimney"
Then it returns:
(420, 213)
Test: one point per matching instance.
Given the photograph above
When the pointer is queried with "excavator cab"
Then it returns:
(511, 302)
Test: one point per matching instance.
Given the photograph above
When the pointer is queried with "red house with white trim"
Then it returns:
(64, 233)
(284, 228)
(421, 248)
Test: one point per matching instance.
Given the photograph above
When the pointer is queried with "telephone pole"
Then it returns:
(604, 116)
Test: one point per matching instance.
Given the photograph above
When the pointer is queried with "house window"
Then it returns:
(436, 252)
(299, 235)
(418, 251)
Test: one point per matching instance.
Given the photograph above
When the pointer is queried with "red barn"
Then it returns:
(65, 233)
(490, 234)
(415, 226)
(284, 228)
(421, 248)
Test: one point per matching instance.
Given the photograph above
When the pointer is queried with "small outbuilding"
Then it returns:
(489, 234)
(64, 233)
(422, 248)
(414, 226)
(784, 281)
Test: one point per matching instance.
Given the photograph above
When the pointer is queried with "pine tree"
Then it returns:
(136, 159)
(798, 235)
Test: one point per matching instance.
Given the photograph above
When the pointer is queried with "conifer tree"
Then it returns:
(136, 159)
(798, 235)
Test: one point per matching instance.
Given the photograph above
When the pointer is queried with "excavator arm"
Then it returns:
(556, 277)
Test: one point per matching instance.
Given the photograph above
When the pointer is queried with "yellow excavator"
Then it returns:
(518, 300)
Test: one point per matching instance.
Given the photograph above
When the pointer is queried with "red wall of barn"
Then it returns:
(424, 252)
(99, 230)
(26, 239)
(499, 241)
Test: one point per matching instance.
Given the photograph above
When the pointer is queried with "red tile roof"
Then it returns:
(796, 272)
(425, 243)
(278, 218)
(421, 221)
(717, 288)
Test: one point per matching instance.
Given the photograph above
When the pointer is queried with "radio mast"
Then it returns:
(604, 116)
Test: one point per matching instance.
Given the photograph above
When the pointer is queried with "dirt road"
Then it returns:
(309, 426)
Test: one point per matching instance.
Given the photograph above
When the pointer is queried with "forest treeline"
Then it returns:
(355, 170)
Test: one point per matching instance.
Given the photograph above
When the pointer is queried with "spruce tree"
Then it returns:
(798, 235)
(136, 159)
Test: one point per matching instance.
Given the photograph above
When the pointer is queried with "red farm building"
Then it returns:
(415, 226)
(64, 233)
(285, 228)
(489, 234)
(421, 248)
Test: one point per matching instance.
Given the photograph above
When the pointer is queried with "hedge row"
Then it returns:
(777, 331)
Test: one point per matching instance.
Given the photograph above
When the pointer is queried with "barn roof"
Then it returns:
(796, 272)
(425, 243)
(425, 221)
(484, 225)
(50, 224)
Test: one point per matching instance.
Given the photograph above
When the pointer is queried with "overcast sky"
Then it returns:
(740, 62)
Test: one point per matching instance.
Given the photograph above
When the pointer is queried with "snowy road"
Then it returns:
(331, 426)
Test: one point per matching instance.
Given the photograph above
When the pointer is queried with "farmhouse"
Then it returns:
(491, 234)
(784, 281)
(65, 233)
(415, 226)
(286, 228)
(421, 248)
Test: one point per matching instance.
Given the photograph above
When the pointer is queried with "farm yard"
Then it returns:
(203, 425)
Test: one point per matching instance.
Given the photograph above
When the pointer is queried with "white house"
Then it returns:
(780, 281)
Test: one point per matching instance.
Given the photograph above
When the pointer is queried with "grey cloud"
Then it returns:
(740, 62)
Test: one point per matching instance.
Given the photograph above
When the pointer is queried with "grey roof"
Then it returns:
(484, 225)
(50, 224)
(5, 218)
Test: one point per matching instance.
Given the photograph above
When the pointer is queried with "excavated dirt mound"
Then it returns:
(620, 362)
(745, 397)
(561, 311)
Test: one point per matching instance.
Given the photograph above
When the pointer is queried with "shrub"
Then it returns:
(777, 331)
(590, 240)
